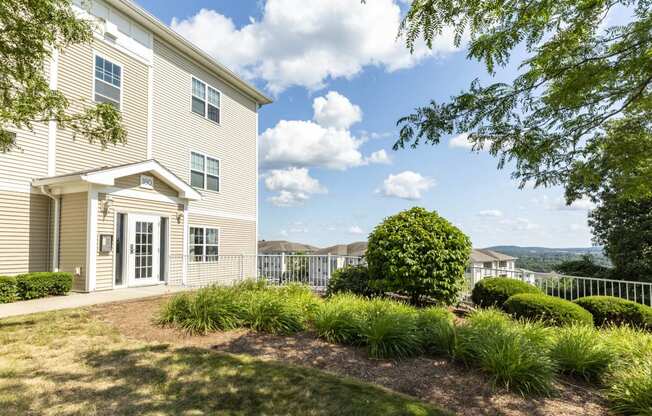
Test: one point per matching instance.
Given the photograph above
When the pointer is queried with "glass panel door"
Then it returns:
(144, 249)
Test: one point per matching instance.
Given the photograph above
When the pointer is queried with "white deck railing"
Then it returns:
(570, 287)
(316, 271)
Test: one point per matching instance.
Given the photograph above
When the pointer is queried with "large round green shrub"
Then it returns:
(418, 254)
(613, 310)
(494, 291)
(352, 279)
(553, 310)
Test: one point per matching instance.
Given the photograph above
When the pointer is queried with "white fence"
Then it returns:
(312, 270)
(316, 271)
(570, 287)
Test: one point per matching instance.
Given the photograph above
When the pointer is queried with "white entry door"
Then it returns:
(143, 249)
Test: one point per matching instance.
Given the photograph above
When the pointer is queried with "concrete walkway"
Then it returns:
(76, 300)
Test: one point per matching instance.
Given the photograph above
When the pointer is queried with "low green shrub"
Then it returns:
(579, 351)
(340, 319)
(8, 289)
(494, 291)
(514, 355)
(630, 388)
(553, 310)
(175, 311)
(274, 312)
(437, 330)
(390, 329)
(613, 310)
(353, 279)
(41, 284)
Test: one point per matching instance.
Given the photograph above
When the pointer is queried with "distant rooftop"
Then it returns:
(481, 255)
(359, 248)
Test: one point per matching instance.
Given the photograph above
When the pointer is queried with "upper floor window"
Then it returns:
(502, 264)
(108, 82)
(204, 172)
(205, 100)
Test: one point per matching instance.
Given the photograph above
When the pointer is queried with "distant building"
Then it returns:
(357, 249)
(491, 263)
(284, 247)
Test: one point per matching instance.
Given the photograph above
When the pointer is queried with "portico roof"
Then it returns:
(106, 175)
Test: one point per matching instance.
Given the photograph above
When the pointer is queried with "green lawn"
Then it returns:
(66, 363)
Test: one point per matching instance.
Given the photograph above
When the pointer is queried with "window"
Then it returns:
(487, 265)
(204, 244)
(108, 82)
(502, 264)
(205, 100)
(204, 172)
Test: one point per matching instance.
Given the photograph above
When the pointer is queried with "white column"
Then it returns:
(91, 239)
(186, 251)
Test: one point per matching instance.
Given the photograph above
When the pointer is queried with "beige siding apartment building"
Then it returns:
(182, 191)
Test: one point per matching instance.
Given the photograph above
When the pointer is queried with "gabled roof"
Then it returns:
(146, 19)
(359, 248)
(481, 255)
(106, 175)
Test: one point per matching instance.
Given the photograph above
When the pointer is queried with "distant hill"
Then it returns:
(544, 259)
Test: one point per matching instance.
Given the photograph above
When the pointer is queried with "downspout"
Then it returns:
(55, 250)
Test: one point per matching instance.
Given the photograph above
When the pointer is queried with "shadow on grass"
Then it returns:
(163, 380)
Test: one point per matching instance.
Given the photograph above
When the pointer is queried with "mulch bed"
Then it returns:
(439, 381)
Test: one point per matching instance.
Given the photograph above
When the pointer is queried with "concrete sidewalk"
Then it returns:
(76, 300)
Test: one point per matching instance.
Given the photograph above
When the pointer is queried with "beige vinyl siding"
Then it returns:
(24, 233)
(177, 131)
(29, 159)
(106, 225)
(72, 237)
(133, 182)
(76, 73)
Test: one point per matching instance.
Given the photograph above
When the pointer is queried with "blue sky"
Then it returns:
(312, 56)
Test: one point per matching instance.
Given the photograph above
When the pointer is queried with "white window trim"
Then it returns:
(122, 77)
(207, 86)
(191, 257)
(219, 172)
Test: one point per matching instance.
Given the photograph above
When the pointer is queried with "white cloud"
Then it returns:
(304, 143)
(335, 110)
(461, 141)
(354, 229)
(583, 204)
(289, 199)
(559, 204)
(495, 213)
(307, 43)
(325, 142)
(284, 233)
(379, 156)
(406, 185)
(293, 184)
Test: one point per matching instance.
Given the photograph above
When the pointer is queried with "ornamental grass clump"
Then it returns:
(514, 355)
(436, 330)
(340, 319)
(390, 330)
(579, 351)
(284, 310)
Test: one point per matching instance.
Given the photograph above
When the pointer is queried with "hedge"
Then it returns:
(352, 279)
(34, 285)
(7, 289)
(553, 310)
(494, 291)
(613, 310)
